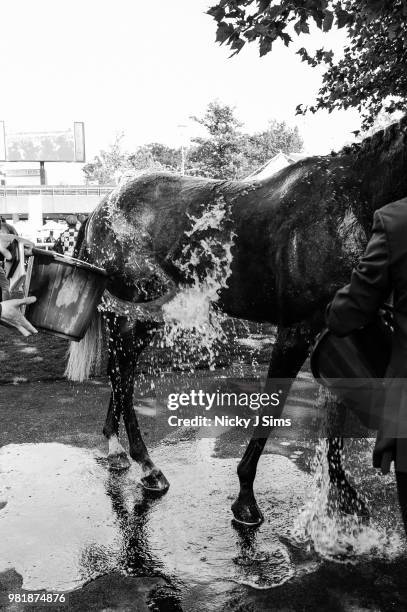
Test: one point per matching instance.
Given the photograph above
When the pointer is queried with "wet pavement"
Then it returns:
(68, 524)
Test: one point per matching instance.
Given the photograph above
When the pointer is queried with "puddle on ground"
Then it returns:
(67, 520)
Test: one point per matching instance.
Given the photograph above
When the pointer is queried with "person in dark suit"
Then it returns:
(380, 274)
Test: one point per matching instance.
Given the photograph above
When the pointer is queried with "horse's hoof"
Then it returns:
(246, 511)
(118, 462)
(155, 482)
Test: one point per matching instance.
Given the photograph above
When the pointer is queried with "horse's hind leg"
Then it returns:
(344, 495)
(117, 456)
(289, 353)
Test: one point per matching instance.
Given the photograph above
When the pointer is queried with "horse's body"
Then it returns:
(297, 237)
(285, 239)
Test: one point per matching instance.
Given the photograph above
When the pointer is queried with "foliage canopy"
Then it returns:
(370, 76)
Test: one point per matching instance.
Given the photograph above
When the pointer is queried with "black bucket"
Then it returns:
(353, 367)
(68, 292)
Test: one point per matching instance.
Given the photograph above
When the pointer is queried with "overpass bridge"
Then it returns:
(53, 202)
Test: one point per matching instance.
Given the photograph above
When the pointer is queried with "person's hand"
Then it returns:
(7, 239)
(11, 314)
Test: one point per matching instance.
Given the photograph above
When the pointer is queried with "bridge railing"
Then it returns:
(56, 190)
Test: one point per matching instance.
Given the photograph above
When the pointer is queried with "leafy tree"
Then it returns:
(156, 156)
(370, 75)
(168, 157)
(258, 148)
(142, 160)
(108, 165)
(218, 154)
(227, 153)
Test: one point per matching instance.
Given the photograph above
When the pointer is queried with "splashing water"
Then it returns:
(332, 534)
(192, 324)
(141, 269)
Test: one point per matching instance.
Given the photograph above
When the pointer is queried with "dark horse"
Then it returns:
(297, 236)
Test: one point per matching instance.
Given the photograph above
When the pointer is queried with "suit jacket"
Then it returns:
(382, 271)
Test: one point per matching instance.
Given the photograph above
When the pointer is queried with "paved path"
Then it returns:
(68, 524)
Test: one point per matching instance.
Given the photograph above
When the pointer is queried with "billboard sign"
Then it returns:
(66, 145)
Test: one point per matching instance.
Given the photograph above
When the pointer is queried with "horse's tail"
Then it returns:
(85, 357)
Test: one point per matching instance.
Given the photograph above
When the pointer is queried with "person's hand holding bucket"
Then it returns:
(14, 249)
(10, 309)
(11, 314)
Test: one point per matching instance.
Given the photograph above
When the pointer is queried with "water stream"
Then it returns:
(334, 535)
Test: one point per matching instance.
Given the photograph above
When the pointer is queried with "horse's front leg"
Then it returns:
(288, 354)
(129, 346)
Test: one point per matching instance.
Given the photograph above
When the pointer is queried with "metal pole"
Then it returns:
(42, 173)
(182, 159)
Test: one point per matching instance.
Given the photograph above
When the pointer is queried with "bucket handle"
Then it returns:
(37, 251)
(55, 256)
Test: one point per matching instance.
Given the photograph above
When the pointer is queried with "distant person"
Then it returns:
(81, 219)
(65, 244)
(81, 234)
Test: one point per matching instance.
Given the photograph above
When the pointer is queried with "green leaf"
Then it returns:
(237, 44)
(217, 12)
(342, 18)
(286, 38)
(265, 46)
(328, 21)
(301, 109)
(263, 5)
(318, 20)
(274, 11)
(251, 34)
(224, 31)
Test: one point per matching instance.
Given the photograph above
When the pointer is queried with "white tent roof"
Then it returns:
(272, 166)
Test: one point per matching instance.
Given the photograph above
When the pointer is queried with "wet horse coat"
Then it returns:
(297, 236)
